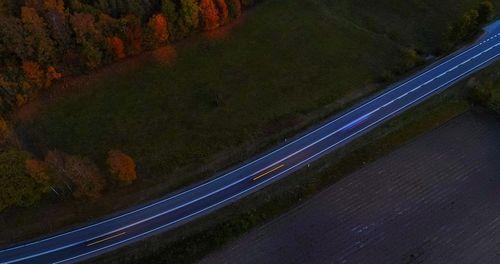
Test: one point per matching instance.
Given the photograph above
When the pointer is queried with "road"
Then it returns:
(103, 236)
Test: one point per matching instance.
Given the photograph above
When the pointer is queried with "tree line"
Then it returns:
(44, 40)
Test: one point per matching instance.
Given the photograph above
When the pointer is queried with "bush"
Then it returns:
(17, 187)
(121, 167)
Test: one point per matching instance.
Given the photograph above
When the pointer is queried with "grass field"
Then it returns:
(275, 66)
(287, 64)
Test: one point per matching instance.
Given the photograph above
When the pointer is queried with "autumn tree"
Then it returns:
(17, 187)
(34, 77)
(36, 35)
(88, 37)
(223, 11)
(209, 14)
(116, 44)
(5, 131)
(158, 30)
(121, 167)
(52, 75)
(57, 20)
(133, 34)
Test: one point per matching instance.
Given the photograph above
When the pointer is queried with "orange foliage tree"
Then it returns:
(35, 77)
(223, 11)
(51, 76)
(209, 14)
(116, 44)
(159, 26)
(121, 166)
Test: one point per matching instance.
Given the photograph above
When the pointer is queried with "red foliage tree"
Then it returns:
(223, 11)
(209, 14)
(159, 26)
(116, 44)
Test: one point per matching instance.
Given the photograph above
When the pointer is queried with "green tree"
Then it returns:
(17, 187)
(234, 7)
(486, 11)
(189, 16)
(169, 10)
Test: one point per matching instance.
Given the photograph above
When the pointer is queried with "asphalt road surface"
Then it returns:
(103, 236)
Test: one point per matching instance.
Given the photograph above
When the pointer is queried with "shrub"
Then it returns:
(121, 167)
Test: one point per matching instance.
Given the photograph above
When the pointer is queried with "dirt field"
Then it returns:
(435, 200)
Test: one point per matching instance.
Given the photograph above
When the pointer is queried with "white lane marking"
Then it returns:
(281, 173)
(106, 239)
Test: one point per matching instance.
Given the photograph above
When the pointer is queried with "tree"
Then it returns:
(17, 187)
(133, 34)
(209, 14)
(159, 27)
(463, 29)
(486, 12)
(36, 35)
(169, 10)
(86, 179)
(35, 77)
(89, 39)
(223, 11)
(40, 172)
(188, 16)
(234, 7)
(57, 20)
(116, 44)
(121, 167)
(51, 75)
(5, 131)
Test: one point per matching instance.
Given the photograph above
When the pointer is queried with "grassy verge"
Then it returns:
(194, 240)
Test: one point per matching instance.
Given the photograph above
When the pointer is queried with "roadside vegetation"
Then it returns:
(217, 101)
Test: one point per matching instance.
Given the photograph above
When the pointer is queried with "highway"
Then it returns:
(130, 226)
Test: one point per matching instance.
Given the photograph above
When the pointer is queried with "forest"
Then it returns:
(43, 40)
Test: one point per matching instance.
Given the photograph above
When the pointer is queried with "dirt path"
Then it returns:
(435, 200)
